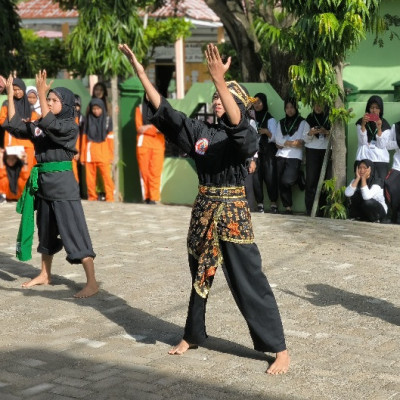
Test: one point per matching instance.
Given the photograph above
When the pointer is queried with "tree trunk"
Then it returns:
(238, 27)
(339, 137)
(115, 112)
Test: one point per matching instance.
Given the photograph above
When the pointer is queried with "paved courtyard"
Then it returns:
(336, 283)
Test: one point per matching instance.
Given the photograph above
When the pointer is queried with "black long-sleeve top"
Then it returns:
(219, 150)
(54, 140)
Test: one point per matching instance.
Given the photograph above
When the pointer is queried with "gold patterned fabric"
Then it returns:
(219, 213)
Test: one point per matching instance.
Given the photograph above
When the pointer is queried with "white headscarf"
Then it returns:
(36, 106)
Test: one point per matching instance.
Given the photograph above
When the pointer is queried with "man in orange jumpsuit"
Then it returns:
(150, 149)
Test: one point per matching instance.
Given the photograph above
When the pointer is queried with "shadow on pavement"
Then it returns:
(145, 327)
(325, 295)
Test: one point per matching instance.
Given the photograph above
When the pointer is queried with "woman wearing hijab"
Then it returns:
(392, 180)
(367, 201)
(98, 149)
(289, 140)
(13, 174)
(150, 149)
(316, 139)
(23, 108)
(33, 99)
(52, 189)
(220, 231)
(373, 134)
(266, 170)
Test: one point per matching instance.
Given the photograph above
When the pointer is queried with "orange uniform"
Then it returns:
(5, 183)
(10, 140)
(97, 151)
(150, 149)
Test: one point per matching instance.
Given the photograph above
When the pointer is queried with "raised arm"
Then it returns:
(217, 71)
(10, 97)
(42, 88)
(152, 94)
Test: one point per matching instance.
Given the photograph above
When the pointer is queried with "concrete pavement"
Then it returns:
(336, 283)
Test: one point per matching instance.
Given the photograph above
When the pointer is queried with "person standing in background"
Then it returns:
(150, 149)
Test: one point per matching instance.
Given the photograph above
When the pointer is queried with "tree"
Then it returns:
(38, 53)
(323, 33)
(11, 37)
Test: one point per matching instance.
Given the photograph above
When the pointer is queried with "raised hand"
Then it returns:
(9, 85)
(130, 55)
(41, 82)
(215, 65)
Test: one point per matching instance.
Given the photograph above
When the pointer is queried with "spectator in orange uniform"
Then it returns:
(98, 149)
(150, 149)
(23, 109)
(14, 173)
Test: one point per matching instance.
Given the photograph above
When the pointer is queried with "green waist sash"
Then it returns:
(26, 203)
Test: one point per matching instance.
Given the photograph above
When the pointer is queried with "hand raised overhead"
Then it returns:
(216, 67)
(131, 57)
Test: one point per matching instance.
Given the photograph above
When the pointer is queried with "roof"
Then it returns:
(41, 9)
(193, 9)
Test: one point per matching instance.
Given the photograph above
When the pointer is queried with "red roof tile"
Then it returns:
(38, 9)
(194, 9)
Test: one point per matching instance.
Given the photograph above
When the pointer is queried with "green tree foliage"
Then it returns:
(322, 35)
(101, 26)
(40, 53)
(11, 38)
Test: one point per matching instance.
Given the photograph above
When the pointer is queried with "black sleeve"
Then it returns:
(64, 132)
(18, 128)
(175, 125)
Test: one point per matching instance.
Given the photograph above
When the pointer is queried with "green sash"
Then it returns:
(26, 203)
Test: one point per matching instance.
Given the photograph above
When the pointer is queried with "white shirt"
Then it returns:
(375, 192)
(376, 152)
(290, 152)
(313, 142)
(392, 145)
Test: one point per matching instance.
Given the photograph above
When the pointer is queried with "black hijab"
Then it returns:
(22, 105)
(145, 110)
(321, 119)
(97, 127)
(13, 173)
(289, 125)
(262, 116)
(67, 99)
(372, 180)
(370, 126)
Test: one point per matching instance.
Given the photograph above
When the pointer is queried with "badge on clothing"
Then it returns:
(38, 131)
(201, 146)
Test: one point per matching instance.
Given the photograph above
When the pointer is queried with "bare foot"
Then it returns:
(87, 291)
(182, 347)
(281, 364)
(41, 279)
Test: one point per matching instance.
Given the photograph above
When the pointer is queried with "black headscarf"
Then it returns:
(97, 127)
(22, 105)
(13, 173)
(372, 180)
(289, 125)
(105, 93)
(145, 112)
(67, 99)
(370, 126)
(262, 116)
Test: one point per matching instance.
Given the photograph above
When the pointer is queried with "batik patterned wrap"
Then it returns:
(219, 213)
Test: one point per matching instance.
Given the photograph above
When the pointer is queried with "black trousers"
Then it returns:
(252, 294)
(392, 192)
(288, 174)
(266, 172)
(67, 220)
(367, 210)
(314, 161)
